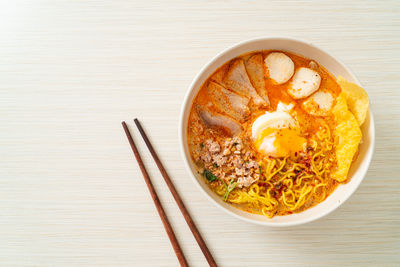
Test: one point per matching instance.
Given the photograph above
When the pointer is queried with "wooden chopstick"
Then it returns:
(177, 198)
(161, 212)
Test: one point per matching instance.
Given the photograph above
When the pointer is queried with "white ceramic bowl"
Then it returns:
(334, 66)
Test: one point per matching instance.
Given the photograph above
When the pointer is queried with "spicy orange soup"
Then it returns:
(262, 132)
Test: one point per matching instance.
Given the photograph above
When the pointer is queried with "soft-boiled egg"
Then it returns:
(305, 82)
(277, 133)
(279, 66)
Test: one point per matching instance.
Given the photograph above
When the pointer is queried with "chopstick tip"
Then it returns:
(137, 123)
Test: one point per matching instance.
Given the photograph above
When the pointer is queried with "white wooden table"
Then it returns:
(70, 71)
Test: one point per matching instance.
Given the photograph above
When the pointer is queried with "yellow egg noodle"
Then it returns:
(299, 186)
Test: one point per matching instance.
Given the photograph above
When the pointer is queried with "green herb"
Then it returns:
(201, 145)
(210, 176)
(261, 173)
(229, 188)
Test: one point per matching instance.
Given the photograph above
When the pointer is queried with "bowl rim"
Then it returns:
(368, 156)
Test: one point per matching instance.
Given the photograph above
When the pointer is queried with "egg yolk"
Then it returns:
(265, 133)
(287, 141)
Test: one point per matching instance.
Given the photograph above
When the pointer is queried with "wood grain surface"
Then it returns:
(71, 71)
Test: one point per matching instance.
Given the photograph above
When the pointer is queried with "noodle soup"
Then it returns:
(273, 133)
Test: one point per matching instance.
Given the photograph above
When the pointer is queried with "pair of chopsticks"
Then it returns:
(178, 200)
